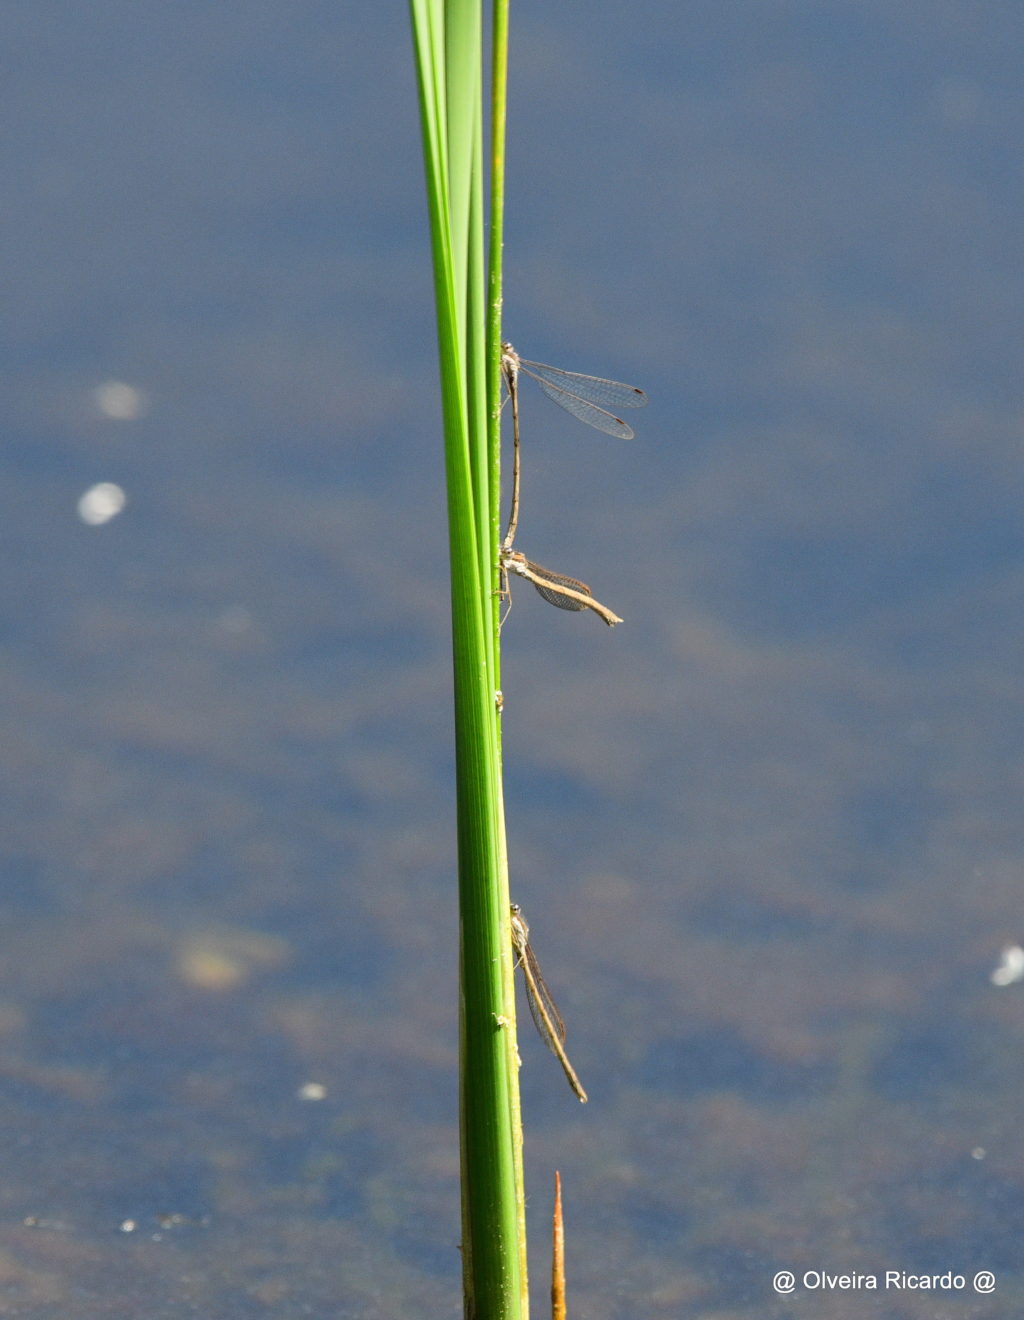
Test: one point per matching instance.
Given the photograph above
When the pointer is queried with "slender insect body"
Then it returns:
(567, 593)
(543, 1009)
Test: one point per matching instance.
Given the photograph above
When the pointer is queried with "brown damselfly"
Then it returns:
(543, 1009)
(567, 593)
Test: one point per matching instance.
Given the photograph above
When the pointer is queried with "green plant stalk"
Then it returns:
(463, 29)
(448, 56)
(495, 252)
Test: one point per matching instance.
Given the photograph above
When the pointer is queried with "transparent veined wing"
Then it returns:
(552, 581)
(591, 399)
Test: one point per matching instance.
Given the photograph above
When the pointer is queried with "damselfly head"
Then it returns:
(509, 362)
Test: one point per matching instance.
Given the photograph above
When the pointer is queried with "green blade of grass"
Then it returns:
(447, 41)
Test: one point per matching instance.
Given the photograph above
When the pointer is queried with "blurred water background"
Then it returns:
(768, 832)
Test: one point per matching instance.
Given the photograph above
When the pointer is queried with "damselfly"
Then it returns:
(567, 593)
(591, 399)
(543, 1009)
